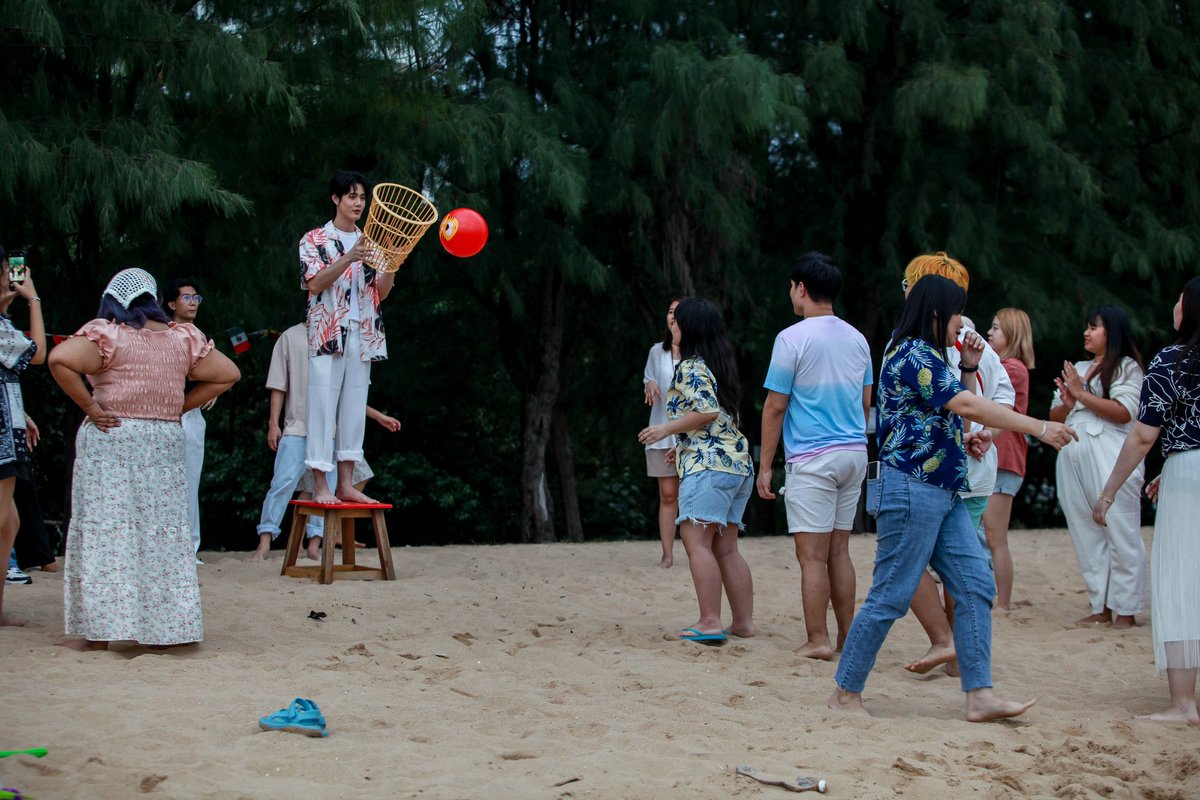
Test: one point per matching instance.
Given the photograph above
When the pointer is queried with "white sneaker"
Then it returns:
(16, 576)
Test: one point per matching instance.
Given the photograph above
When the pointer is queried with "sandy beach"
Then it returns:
(541, 671)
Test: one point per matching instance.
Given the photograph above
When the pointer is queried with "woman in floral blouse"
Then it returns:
(1170, 405)
(920, 517)
(715, 470)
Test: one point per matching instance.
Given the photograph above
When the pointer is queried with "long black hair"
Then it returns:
(702, 334)
(142, 308)
(1120, 341)
(669, 338)
(931, 302)
(1189, 331)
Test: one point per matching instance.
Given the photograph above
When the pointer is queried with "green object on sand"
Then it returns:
(37, 752)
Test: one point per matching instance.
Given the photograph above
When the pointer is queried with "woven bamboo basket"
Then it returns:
(398, 218)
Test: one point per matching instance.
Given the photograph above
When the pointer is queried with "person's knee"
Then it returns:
(668, 496)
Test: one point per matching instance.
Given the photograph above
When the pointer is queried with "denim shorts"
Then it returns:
(1008, 483)
(712, 496)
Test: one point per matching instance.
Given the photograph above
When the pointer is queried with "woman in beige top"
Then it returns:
(130, 570)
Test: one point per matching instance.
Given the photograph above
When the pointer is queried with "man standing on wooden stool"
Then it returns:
(345, 334)
(287, 379)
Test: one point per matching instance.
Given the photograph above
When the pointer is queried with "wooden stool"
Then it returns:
(340, 516)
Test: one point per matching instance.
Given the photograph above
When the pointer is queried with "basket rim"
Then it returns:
(425, 205)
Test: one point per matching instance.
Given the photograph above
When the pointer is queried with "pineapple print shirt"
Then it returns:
(719, 445)
(917, 434)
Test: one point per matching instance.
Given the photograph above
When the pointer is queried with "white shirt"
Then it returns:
(992, 382)
(660, 368)
(348, 240)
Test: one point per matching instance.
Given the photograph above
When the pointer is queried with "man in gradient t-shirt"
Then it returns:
(818, 396)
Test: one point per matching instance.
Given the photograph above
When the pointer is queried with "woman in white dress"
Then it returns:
(1099, 399)
(1170, 406)
(660, 461)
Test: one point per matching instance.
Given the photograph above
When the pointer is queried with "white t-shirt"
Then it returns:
(993, 384)
(348, 240)
(660, 368)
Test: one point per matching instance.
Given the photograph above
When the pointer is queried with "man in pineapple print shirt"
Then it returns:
(345, 334)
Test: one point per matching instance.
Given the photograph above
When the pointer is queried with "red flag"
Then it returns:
(239, 340)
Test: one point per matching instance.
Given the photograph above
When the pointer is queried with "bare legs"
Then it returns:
(995, 523)
(716, 563)
(264, 547)
(927, 608)
(826, 573)
(1182, 685)
(9, 523)
(668, 510)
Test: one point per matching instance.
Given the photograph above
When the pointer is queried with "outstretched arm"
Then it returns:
(391, 423)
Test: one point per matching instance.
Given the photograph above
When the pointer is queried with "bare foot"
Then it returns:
(53, 566)
(314, 548)
(740, 631)
(84, 645)
(259, 555)
(326, 498)
(11, 622)
(846, 702)
(666, 563)
(951, 668)
(984, 706)
(1124, 622)
(357, 544)
(349, 494)
(1189, 716)
(938, 654)
(811, 649)
(1095, 619)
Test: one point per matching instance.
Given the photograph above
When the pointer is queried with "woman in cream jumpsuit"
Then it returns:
(1112, 559)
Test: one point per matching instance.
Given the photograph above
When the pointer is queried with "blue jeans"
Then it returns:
(289, 466)
(921, 524)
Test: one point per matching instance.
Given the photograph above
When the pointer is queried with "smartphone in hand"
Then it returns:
(16, 267)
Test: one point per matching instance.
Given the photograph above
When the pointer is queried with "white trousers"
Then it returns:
(193, 459)
(1112, 559)
(337, 405)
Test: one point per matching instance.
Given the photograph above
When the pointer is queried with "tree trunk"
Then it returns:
(537, 515)
(565, 464)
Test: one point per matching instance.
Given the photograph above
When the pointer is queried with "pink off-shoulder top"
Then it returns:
(143, 371)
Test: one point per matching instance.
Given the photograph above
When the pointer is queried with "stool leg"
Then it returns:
(333, 521)
(348, 540)
(295, 537)
(384, 544)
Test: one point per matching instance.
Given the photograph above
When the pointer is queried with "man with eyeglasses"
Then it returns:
(181, 299)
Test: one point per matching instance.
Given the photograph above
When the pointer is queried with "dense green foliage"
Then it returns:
(623, 152)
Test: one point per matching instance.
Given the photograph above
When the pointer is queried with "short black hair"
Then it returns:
(821, 277)
(172, 291)
(342, 182)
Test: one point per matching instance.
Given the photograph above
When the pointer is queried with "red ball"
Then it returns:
(463, 232)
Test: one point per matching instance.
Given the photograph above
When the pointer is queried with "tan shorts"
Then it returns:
(822, 492)
(656, 463)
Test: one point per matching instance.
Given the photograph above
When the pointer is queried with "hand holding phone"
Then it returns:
(16, 267)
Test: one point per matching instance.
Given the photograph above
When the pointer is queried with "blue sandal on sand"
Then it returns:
(302, 716)
(693, 635)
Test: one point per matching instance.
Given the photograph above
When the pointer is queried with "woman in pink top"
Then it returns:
(130, 571)
(1011, 336)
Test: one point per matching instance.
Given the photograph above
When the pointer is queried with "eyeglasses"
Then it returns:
(192, 298)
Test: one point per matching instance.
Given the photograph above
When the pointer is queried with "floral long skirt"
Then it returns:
(130, 567)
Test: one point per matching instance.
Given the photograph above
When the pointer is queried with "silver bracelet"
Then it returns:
(1043, 433)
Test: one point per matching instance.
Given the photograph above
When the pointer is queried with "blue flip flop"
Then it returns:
(693, 635)
(302, 716)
